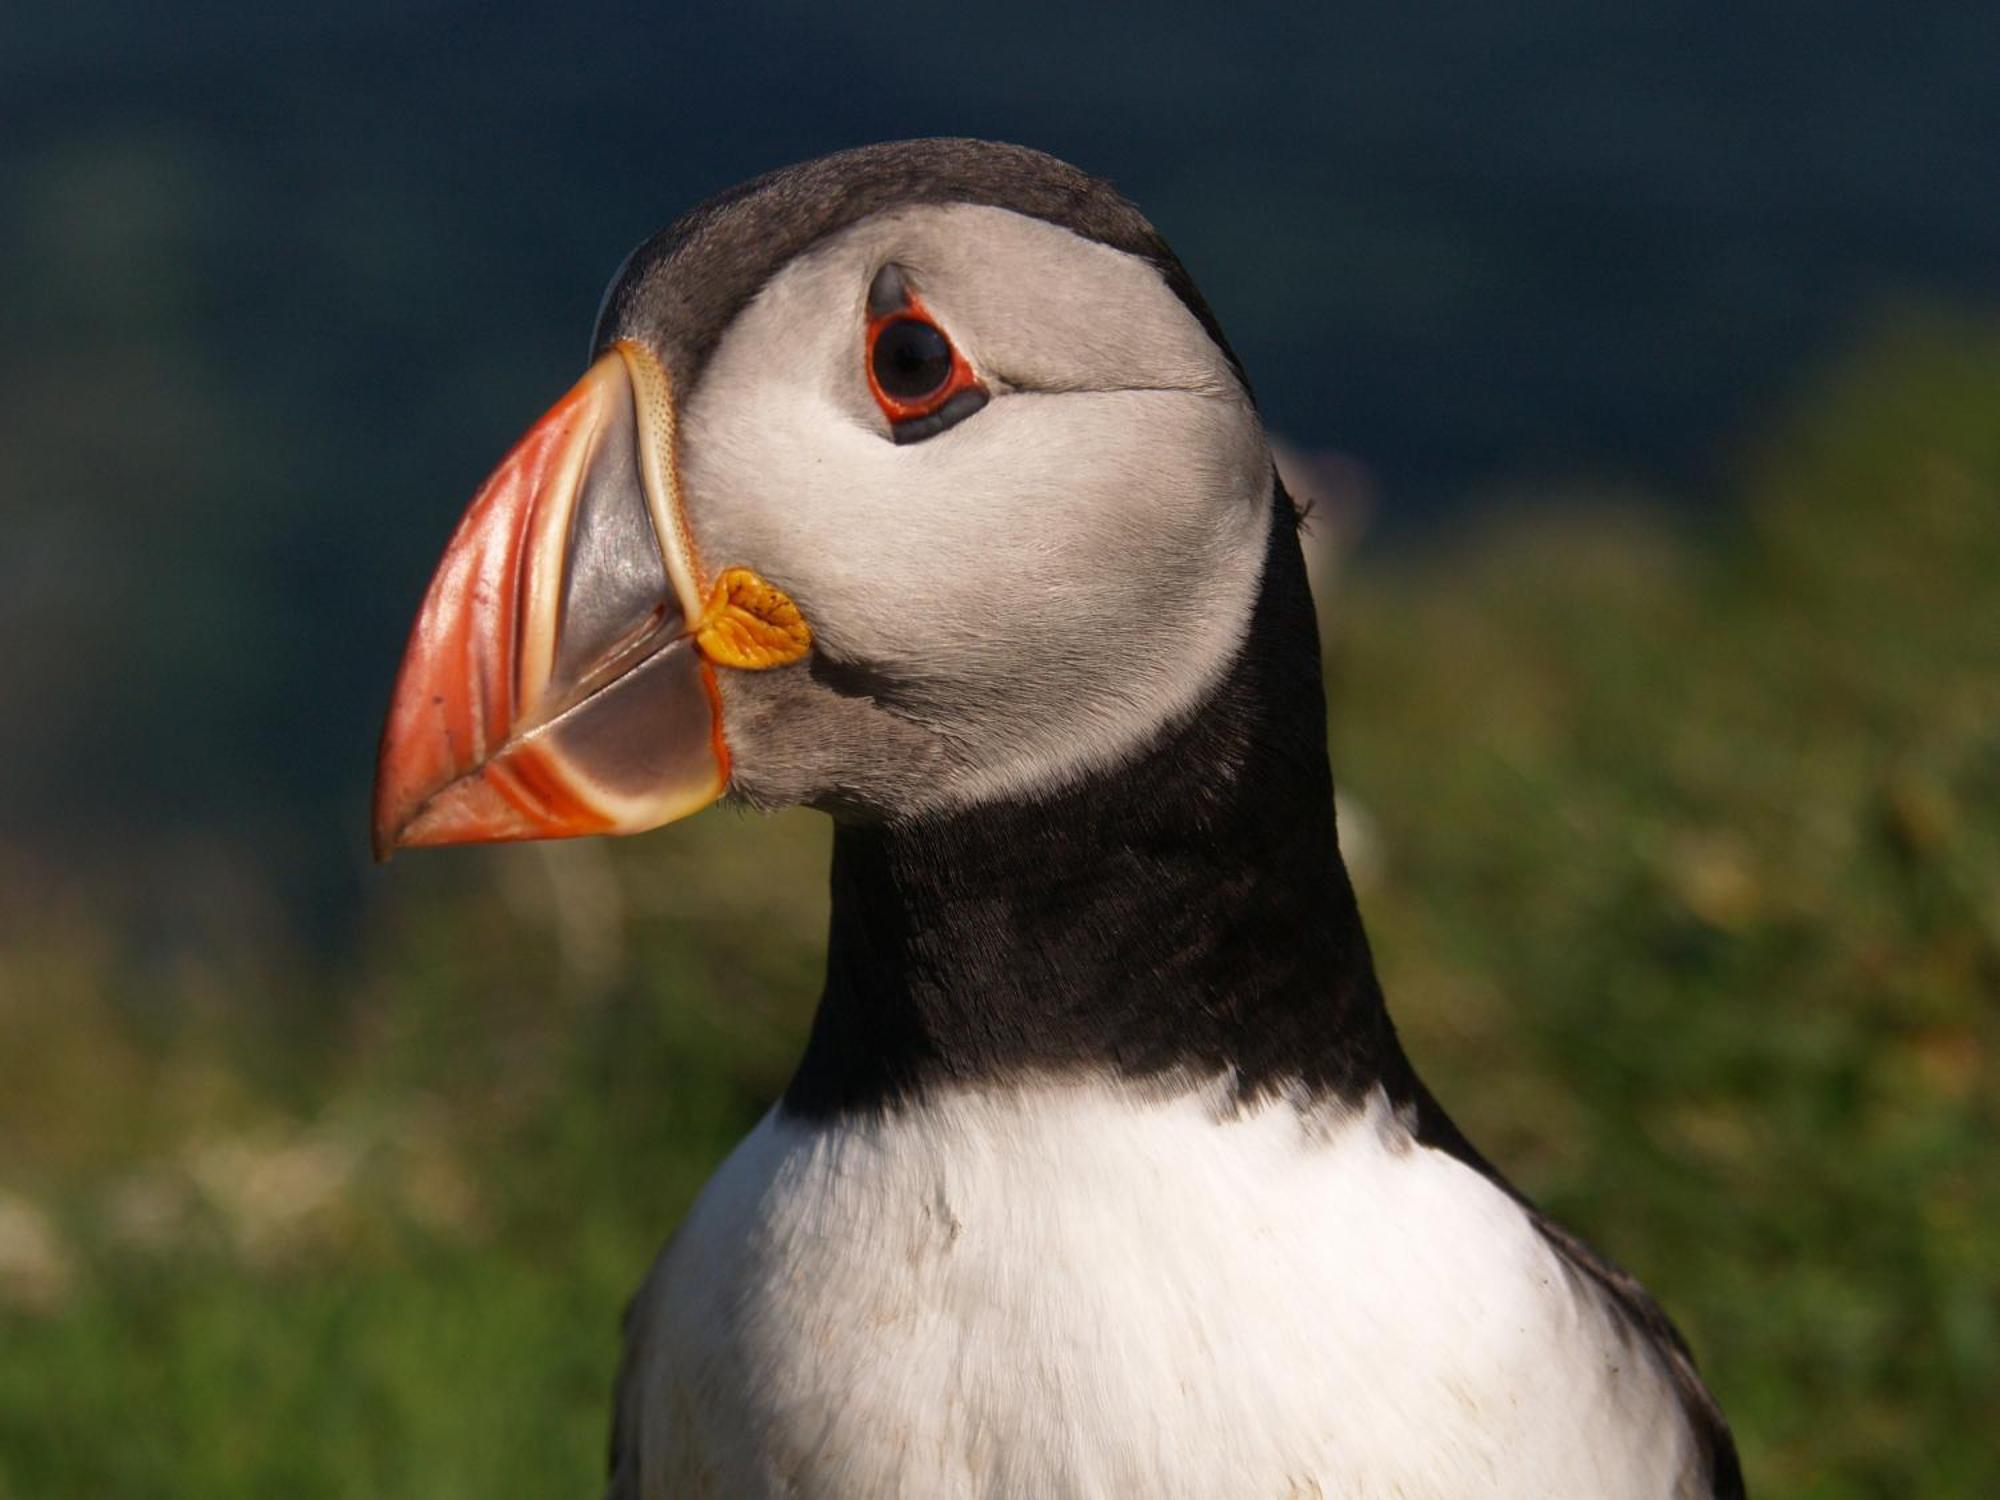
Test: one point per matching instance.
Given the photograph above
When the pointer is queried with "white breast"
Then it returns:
(1084, 1292)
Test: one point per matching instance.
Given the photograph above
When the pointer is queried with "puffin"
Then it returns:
(919, 485)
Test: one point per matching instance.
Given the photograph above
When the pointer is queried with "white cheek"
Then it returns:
(1048, 583)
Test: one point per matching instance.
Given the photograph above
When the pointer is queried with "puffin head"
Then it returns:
(907, 479)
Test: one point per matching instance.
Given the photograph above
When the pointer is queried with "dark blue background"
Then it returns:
(282, 282)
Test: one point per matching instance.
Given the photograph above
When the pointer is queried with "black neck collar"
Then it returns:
(1183, 917)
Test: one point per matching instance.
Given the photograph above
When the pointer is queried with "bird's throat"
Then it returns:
(1184, 917)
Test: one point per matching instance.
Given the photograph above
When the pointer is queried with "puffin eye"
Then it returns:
(911, 360)
(918, 377)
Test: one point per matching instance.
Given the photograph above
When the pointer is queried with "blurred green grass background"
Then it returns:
(1679, 839)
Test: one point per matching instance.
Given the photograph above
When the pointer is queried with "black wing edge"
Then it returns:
(626, 1391)
(1636, 1304)
(1633, 1302)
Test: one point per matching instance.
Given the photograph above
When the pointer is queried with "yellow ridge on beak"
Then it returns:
(560, 677)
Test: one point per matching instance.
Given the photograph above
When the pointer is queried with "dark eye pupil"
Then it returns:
(912, 359)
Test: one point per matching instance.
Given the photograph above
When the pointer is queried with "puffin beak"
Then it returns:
(560, 678)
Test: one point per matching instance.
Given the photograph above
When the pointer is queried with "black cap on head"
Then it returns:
(680, 289)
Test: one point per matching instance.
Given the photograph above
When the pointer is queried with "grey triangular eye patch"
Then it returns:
(887, 293)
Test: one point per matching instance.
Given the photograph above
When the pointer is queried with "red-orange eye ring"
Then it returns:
(917, 374)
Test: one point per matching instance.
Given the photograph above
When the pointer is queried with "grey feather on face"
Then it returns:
(1028, 595)
(1025, 597)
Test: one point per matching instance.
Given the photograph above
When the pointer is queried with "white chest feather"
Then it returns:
(1078, 1292)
